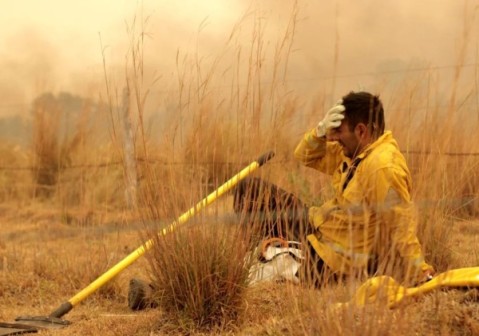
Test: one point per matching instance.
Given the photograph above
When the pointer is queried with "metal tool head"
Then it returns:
(16, 329)
(31, 324)
(43, 322)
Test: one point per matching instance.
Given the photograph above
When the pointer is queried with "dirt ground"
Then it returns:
(46, 257)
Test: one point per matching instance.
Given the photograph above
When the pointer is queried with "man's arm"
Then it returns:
(315, 152)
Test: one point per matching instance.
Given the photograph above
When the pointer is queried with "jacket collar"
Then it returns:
(384, 138)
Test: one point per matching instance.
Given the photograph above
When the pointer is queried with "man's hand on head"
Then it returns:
(331, 120)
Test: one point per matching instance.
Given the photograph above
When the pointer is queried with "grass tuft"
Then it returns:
(200, 274)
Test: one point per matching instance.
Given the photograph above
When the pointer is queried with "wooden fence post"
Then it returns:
(129, 153)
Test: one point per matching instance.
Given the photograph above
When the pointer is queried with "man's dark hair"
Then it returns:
(363, 107)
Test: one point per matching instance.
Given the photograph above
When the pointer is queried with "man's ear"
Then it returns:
(361, 130)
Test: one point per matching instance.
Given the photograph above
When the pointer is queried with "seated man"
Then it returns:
(369, 227)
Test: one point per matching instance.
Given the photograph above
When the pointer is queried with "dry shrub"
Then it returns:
(200, 274)
(47, 161)
(15, 183)
(73, 164)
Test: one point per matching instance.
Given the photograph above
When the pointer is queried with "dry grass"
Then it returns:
(55, 242)
(36, 278)
(200, 274)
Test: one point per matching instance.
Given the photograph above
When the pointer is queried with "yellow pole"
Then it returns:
(133, 256)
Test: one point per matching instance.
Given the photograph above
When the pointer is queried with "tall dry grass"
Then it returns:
(214, 130)
(200, 274)
(444, 192)
(16, 184)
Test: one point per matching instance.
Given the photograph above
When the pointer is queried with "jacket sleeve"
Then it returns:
(392, 201)
(317, 153)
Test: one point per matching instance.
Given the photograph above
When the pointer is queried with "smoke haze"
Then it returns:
(338, 45)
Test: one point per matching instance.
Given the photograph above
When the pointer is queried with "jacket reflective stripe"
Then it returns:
(356, 257)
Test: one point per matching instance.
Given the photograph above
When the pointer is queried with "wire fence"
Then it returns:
(205, 163)
(4, 167)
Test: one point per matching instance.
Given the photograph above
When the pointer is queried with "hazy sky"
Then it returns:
(55, 44)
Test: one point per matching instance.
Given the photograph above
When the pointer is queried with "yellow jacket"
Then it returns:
(373, 218)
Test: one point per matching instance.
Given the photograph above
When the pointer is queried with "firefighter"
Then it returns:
(369, 226)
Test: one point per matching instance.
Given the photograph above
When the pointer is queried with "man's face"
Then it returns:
(347, 139)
